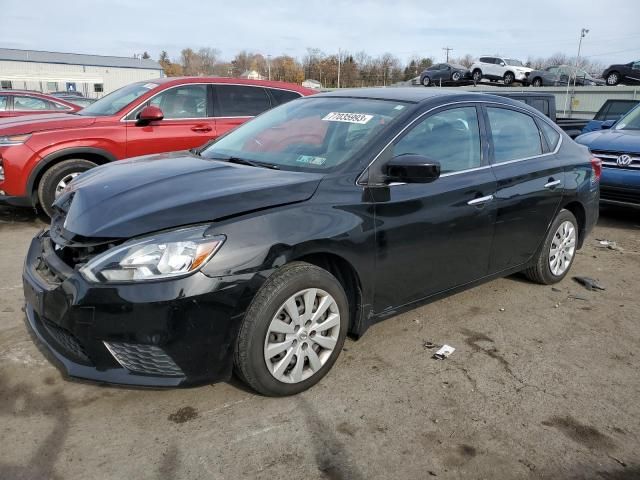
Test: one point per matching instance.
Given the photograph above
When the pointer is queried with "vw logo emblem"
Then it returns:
(624, 160)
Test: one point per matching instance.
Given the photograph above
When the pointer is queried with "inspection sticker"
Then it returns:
(347, 117)
(311, 160)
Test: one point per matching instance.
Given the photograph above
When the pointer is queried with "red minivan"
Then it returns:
(40, 154)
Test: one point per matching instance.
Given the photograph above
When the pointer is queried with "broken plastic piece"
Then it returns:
(589, 283)
(444, 352)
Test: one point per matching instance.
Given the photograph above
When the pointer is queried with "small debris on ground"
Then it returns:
(578, 297)
(502, 309)
(589, 283)
(443, 352)
(554, 289)
(610, 245)
(429, 345)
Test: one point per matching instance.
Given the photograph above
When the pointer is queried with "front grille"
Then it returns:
(626, 195)
(148, 359)
(610, 160)
(67, 342)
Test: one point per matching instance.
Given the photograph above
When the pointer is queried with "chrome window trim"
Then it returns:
(123, 118)
(359, 180)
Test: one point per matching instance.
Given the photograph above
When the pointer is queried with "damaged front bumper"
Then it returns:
(169, 333)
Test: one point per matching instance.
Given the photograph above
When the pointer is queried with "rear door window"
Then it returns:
(3, 103)
(241, 101)
(283, 96)
(515, 135)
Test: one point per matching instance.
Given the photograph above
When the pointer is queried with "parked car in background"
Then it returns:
(618, 146)
(77, 100)
(560, 75)
(40, 156)
(508, 70)
(16, 103)
(445, 74)
(628, 73)
(611, 111)
(260, 253)
(65, 93)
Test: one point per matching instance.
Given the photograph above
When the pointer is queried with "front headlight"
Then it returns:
(169, 254)
(14, 139)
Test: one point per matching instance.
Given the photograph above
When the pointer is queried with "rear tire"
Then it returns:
(55, 179)
(561, 241)
(477, 75)
(613, 78)
(269, 310)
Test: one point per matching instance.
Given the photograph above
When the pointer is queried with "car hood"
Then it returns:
(38, 123)
(627, 141)
(146, 194)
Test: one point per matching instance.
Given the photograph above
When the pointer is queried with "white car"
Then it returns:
(500, 68)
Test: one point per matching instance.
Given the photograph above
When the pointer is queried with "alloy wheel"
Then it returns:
(64, 182)
(302, 335)
(612, 79)
(563, 248)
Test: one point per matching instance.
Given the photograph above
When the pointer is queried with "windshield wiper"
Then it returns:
(244, 161)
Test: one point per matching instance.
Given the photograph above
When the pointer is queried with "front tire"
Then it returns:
(456, 76)
(477, 75)
(554, 259)
(537, 82)
(426, 81)
(508, 78)
(56, 178)
(293, 330)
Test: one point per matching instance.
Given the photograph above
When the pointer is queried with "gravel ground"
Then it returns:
(541, 385)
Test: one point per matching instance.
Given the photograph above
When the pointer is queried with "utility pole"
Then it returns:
(269, 65)
(583, 33)
(339, 62)
(447, 49)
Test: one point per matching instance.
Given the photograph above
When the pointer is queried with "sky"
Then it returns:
(405, 28)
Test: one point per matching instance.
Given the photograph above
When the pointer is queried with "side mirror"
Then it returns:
(607, 125)
(502, 64)
(410, 168)
(150, 114)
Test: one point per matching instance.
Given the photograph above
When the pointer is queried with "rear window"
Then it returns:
(283, 96)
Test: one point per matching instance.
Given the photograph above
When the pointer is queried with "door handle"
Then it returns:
(551, 184)
(480, 201)
(201, 128)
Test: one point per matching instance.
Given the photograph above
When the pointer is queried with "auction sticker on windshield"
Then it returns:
(347, 117)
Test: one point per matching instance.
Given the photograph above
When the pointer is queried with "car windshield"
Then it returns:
(631, 121)
(117, 100)
(515, 63)
(310, 134)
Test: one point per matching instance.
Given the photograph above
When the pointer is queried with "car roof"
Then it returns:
(168, 81)
(34, 93)
(406, 94)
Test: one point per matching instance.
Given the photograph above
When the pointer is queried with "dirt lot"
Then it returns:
(540, 385)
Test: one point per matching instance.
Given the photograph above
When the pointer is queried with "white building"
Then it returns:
(310, 83)
(252, 75)
(93, 75)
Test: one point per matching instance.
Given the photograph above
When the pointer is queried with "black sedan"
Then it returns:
(628, 73)
(445, 74)
(259, 253)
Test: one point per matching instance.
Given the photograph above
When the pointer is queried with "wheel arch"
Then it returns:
(578, 211)
(349, 279)
(96, 155)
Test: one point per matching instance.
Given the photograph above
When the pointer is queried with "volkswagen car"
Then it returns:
(259, 253)
(618, 146)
